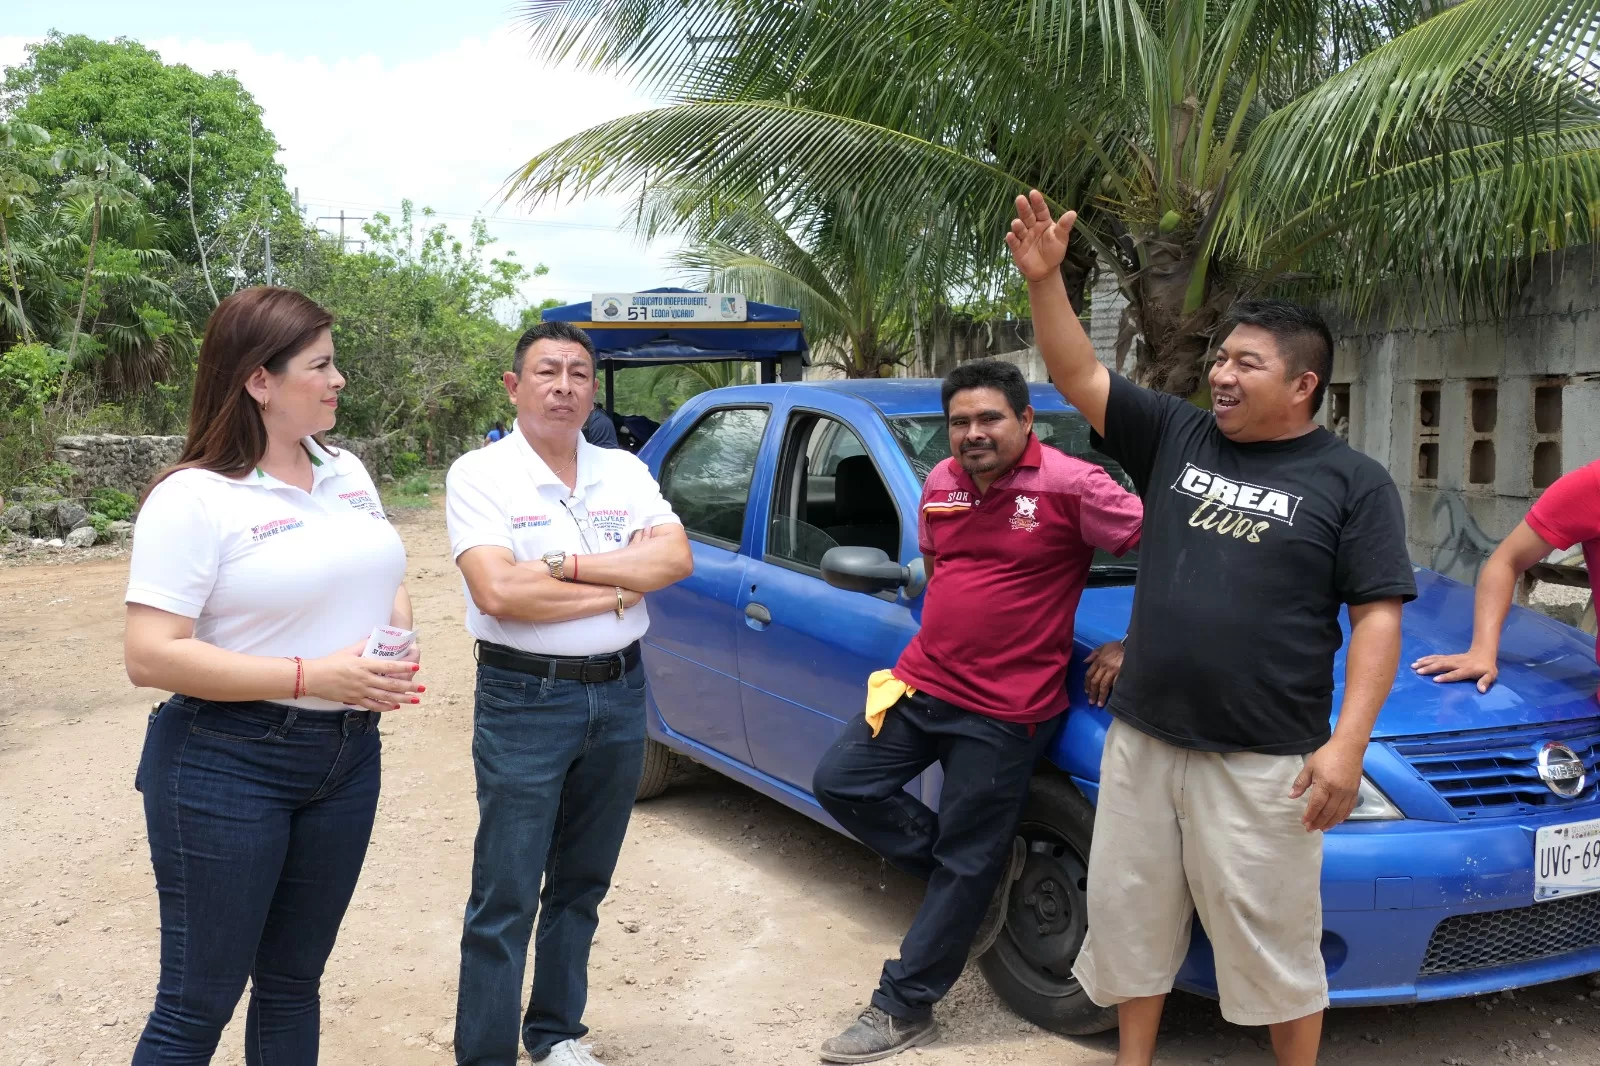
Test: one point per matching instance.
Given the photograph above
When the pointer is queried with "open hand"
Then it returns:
(1037, 243)
(372, 684)
(1105, 663)
(1332, 777)
(1465, 666)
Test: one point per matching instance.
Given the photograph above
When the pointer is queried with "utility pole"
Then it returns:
(342, 220)
(268, 236)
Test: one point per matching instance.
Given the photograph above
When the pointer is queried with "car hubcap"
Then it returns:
(1047, 916)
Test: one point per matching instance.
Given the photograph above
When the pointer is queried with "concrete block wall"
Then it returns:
(1552, 338)
(1106, 303)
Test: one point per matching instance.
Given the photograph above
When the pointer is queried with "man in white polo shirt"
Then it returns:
(557, 541)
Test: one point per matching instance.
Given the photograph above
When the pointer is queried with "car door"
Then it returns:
(692, 649)
(806, 648)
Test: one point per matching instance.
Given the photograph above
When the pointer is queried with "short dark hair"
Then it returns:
(1301, 333)
(549, 331)
(987, 374)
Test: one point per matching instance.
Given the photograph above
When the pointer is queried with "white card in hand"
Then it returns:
(387, 642)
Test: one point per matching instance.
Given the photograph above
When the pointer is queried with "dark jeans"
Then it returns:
(259, 817)
(961, 851)
(558, 764)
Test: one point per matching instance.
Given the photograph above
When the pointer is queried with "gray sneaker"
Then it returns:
(994, 919)
(877, 1035)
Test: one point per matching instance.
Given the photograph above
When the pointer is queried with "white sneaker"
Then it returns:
(570, 1053)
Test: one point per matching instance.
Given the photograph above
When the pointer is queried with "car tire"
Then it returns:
(660, 763)
(1030, 965)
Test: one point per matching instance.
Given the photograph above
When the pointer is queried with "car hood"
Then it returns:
(1547, 670)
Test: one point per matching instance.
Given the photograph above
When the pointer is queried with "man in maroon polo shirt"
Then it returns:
(1008, 529)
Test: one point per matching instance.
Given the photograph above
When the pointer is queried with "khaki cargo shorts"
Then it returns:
(1179, 831)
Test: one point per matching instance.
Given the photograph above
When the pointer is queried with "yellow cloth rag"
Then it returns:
(884, 690)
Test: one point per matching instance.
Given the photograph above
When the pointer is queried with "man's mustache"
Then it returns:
(983, 447)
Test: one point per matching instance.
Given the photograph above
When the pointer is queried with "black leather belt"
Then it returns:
(591, 670)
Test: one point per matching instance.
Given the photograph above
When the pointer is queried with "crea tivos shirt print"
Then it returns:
(1232, 508)
(1247, 554)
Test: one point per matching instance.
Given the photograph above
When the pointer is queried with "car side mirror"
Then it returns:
(858, 569)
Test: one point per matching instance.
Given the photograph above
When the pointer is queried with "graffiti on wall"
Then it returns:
(1464, 546)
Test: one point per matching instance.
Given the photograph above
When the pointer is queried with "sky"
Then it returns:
(376, 102)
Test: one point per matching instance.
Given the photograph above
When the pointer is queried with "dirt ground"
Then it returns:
(738, 931)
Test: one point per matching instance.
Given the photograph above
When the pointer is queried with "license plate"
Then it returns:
(1566, 860)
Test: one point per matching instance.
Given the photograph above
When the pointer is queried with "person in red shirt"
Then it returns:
(1567, 513)
(1007, 529)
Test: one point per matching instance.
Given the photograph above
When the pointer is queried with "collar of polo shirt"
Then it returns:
(324, 464)
(1032, 456)
(540, 470)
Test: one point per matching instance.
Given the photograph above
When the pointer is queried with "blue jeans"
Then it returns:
(258, 817)
(557, 763)
(961, 852)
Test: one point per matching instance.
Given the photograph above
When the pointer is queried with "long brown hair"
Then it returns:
(262, 326)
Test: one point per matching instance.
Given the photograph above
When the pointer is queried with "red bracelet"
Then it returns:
(574, 568)
(299, 676)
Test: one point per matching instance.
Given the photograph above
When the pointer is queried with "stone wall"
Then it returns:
(107, 461)
(128, 463)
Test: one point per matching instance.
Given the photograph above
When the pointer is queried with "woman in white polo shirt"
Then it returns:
(261, 564)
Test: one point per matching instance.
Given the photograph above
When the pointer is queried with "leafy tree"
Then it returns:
(1407, 153)
(199, 139)
(529, 317)
(415, 328)
(18, 183)
(101, 183)
(855, 292)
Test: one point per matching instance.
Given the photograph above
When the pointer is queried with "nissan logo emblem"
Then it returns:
(1561, 769)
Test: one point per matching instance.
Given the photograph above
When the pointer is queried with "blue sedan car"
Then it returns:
(1463, 870)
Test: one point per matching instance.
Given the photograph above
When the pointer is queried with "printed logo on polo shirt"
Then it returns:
(954, 500)
(1026, 517)
(1234, 508)
(273, 528)
(529, 521)
(362, 500)
(610, 523)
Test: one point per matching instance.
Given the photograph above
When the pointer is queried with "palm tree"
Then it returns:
(17, 184)
(853, 291)
(1408, 151)
(103, 183)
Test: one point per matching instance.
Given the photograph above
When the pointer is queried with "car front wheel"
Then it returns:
(1030, 965)
(660, 762)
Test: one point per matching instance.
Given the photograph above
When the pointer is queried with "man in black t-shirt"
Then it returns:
(1220, 772)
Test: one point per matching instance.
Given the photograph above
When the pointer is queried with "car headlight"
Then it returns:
(1372, 805)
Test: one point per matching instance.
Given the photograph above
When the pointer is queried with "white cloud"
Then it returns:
(444, 131)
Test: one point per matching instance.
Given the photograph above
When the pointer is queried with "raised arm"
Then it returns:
(1039, 244)
(1497, 584)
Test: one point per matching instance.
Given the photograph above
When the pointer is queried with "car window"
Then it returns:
(832, 442)
(926, 443)
(828, 493)
(707, 477)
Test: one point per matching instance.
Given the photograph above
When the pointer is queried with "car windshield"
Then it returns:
(926, 443)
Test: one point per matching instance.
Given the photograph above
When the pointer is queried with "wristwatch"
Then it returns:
(557, 562)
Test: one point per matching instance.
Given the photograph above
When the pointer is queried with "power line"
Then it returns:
(462, 215)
